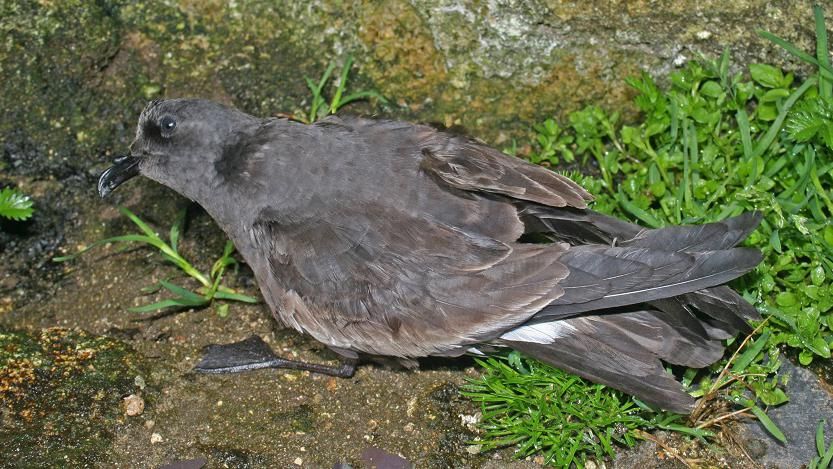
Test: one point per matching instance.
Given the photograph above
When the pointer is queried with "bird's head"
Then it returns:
(177, 143)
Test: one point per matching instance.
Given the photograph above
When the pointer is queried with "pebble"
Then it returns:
(470, 421)
(155, 438)
(133, 405)
(139, 382)
(298, 462)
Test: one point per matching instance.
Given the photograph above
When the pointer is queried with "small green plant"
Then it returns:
(554, 144)
(211, 287)
(545, 410)
(319, 107)
(825, 457)
(14, 205)
(755, 369)
(542, 409)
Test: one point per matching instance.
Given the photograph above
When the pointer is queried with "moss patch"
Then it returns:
(60, 394)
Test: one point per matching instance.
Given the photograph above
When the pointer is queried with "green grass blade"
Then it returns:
(359, 95)
(689, 159)
(743, 361)
(226, 295)
(178, 302)
(778, 123)
(184, 294)
(313, 88)
(139, 222)
(821, 191)
(176, 229)
(645, 217)
(317, 100)
(723, 69)
(335, 103)
(114, 239)
(695, 432)
(745, 133)
(820, 438)
(825, 70)
(164, 304)
(326, 76)
(224, 261)
(768, 424)
(822, 53)
(828, 456)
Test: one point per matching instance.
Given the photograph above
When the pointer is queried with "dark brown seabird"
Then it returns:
(388, 238)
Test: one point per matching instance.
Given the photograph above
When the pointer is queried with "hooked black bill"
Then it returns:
(124, 168)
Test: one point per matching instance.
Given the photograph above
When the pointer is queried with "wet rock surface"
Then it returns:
(810, 403)
(59, 395)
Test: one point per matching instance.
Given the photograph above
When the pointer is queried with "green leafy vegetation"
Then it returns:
(825, 457)
(319, 107)
(712, 145)
(211, 287)
(524, 400)
(542, 409)
(14, 205)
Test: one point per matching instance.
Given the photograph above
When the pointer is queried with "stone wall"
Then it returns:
(75, 73)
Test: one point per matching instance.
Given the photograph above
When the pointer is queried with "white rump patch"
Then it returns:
(543, 333)
(475, 351)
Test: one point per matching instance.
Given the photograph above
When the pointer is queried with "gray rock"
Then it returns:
(798, 419)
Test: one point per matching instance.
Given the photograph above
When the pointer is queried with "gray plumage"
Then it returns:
(388, 238)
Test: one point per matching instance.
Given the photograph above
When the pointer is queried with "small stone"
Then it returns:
(412, 407)
(470, 420)
(155, 438)
(149, 424)
(473, 449)
(139, 382)
(409, 427)
(332, 384)
(133, 405)
(298, 462)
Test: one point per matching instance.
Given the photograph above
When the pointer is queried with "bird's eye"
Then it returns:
(167, 124)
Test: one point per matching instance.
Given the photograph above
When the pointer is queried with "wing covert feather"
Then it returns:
(467, 165)
(433, 286)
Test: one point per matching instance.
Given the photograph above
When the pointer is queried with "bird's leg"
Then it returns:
(254, 354)
(346, 370)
